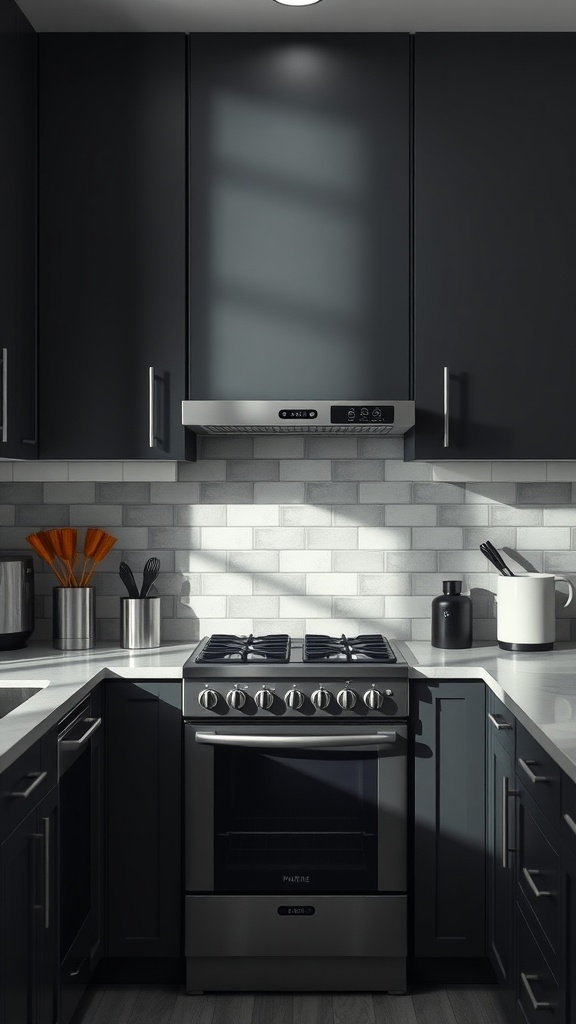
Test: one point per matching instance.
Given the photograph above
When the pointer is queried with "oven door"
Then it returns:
(296, 809)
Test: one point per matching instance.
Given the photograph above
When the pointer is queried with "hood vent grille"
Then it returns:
(299, 429)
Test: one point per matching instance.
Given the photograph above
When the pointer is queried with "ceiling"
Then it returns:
(327, 16)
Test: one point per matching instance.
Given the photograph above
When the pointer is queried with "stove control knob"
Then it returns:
(321, 698)
(208, 699)
(294, 699)
(373, 699)
(389, 693)
(346, 699)
(236, 699)
(264, 699)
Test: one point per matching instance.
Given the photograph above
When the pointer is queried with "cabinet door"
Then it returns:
(495, 230)
(28, 940)
(568, 973)
(18, 125)
(449, 819)
(112, 245)
(500, 863)
(299, 216)
(144, 763)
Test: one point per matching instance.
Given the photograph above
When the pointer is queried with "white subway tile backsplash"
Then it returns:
(438, 537)
(280, 538)
(229, 537)
(522, 471)
(543, 538)
(306, 469)
(282, 493)
(385, 493)
(325, 534)
(387, 538)
(411, 515)
(252, 515)
(358, 561)
(331, 583)
(306, 561)
(332, 537)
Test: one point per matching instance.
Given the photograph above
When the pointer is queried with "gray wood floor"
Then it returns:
(163, 1004)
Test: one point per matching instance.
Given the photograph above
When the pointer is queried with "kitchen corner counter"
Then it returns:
(539, 688)
(66, 677)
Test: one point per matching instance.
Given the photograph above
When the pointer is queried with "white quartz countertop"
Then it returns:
(539, 688)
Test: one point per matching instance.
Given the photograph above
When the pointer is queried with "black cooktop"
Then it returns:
(276, 648)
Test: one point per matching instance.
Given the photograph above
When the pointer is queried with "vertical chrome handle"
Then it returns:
(506, 794)
(526, 979)
(570, 822)
(46, 824)
(151, 438)
(4, 395)
(446, 407)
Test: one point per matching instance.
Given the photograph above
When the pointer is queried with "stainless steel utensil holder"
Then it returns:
(73, 618)
(139, 622)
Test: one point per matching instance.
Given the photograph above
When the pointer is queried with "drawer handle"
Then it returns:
(528, 876)
(93, 725)
(497, 724)
(570, 822)
(37, 778)
(536, 1003)
(533, 778)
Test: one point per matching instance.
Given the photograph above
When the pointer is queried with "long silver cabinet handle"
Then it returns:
(76, 744)
(446, 406)
(296, 742)
(527, 873)
(151, 437)
(46, 824)
(537, 1004)
(525, 768)
(506, 794)
(498, 725)
(4, 395)
(570, 822)
(37, 777)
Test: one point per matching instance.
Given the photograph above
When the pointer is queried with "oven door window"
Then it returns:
(295, 820)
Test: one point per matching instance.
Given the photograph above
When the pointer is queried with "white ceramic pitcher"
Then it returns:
(526, 611)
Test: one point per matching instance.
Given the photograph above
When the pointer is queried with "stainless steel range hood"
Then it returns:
(376, 416)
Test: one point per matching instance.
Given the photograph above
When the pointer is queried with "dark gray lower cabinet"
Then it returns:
(144, 858)
(500, 860)
(28, 899)
(568, 899)
(449, 819)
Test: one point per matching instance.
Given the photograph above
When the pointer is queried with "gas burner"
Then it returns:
(372, 647)
(229, 648)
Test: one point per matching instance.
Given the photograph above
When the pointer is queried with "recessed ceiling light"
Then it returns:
(297, 3)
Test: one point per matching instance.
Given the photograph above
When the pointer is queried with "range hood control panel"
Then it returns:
(362, 414)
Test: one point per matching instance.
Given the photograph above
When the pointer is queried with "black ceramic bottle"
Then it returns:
(452, 618)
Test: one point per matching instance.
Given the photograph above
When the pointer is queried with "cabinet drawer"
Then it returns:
(26, 782)
(537, 992)
(539, 873)
(501, 723)
(539, 773)
(568, 808)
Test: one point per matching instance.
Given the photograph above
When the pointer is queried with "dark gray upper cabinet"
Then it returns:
(18, 127)
(299, 216)
(494, 245)
(112, 288)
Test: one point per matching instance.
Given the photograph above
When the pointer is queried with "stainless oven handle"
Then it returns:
(379, 739)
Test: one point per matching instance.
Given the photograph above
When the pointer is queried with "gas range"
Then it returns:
(281, 677)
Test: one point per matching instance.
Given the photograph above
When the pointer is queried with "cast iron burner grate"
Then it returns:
(370, 647)
(227, 647)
